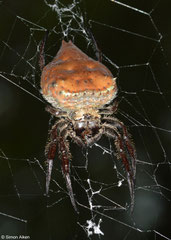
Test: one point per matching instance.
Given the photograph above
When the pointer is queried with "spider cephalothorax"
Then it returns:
(87, 129)
(80, 90)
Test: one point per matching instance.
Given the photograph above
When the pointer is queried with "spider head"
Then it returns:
(87, 126)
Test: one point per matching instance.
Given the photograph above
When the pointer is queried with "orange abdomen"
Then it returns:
(73, 80)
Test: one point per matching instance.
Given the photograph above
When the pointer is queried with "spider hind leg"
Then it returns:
(41, 51)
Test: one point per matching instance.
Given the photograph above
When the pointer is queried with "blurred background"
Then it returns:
(134, 38)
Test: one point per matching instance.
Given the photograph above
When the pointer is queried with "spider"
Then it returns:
(80, 91)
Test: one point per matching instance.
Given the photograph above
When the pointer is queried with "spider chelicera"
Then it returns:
(80, 90)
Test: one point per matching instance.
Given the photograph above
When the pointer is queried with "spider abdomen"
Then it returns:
(73, 80)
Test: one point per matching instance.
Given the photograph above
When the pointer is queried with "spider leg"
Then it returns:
(65, 155)
(57, 112)
(50, 150)
(109, 110)
(41, 49)
(58, 138)
(97, 50)
(125, 150)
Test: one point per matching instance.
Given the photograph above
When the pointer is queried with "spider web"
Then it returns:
(134, 39)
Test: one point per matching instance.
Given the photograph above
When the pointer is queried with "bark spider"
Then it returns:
(80, 90)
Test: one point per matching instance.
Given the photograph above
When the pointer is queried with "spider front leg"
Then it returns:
(125, 150)
(65, 156)
(58, 138)
(50, 152)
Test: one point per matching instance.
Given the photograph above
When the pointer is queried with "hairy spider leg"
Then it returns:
(109, 110)
(117, 130)
(41, 50)
(58, 137)
(50, 150)
(57, 112)
(65, 155)
(95, 46)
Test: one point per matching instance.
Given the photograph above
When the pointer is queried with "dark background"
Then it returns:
(126, 37)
